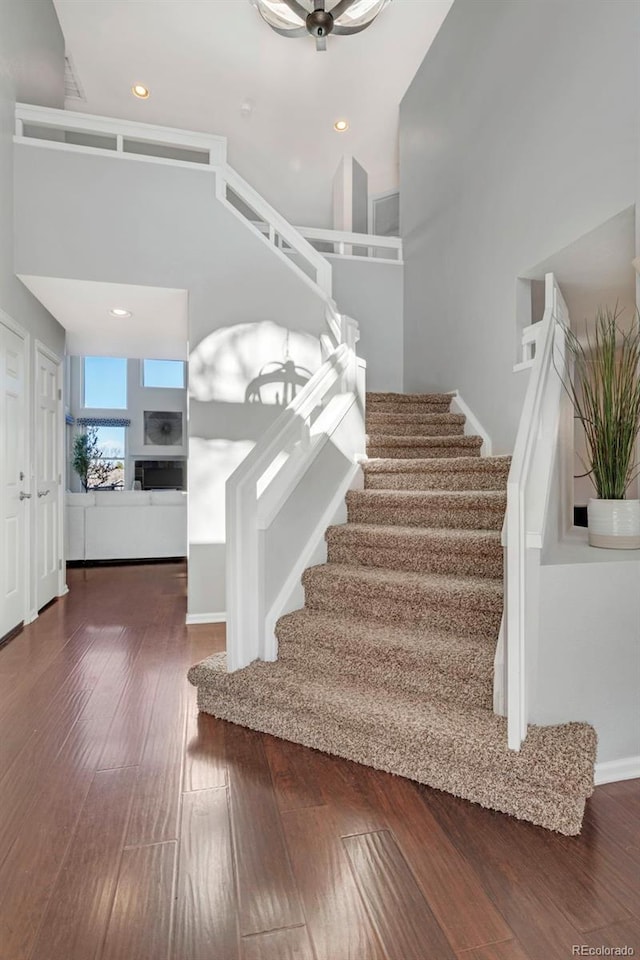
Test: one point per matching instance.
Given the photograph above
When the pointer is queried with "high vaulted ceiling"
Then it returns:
(215, 66)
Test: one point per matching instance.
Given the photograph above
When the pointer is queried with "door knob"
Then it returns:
(25, 496)
(42, 493)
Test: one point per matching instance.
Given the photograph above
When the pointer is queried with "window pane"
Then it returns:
(105, 383)
(108, 470)
(163, 373)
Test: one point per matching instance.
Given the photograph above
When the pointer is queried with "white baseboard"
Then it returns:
(472, 425)
(611, 771)
(206, 618)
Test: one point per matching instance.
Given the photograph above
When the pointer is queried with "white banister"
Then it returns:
(367, 245)
(528, 491)
(262, 484)
(230, 185)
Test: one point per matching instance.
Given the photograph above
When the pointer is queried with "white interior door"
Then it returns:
(13, 471)
(47, 478)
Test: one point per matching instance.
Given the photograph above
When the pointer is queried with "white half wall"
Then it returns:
(588, 666)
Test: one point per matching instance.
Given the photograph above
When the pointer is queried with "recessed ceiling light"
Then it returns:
(119, 313)
(140, 91)
(341, 126)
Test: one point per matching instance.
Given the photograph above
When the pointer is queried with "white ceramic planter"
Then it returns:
(614, 524)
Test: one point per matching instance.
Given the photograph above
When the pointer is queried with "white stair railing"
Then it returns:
(260, 486)
(528, 493)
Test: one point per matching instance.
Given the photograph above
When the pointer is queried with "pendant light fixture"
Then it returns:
(319, 18)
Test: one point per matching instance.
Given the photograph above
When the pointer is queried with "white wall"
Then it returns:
(371, 292)
(588, 661)
(127, 221)
(31, 69)
(517, 136)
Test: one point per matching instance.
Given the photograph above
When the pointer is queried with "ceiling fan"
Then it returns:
(319, 18)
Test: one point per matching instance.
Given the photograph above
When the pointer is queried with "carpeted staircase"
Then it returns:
(390, 663)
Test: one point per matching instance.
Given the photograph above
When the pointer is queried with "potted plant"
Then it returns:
(603, 382)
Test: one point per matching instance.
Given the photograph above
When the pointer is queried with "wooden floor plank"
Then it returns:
(30, 870)
(23, 781)
(617, 935)
(399, 913)
(128, 731)
(452, 889)
(140, 923)
(542, 929)
(78, 914)
(205, 764)
(294, 774)
(505, 950)
(154, 811)
(337, 921)
(268, 896)
(206, 924)
(290, 944)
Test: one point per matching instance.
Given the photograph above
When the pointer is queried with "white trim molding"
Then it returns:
(193, 618)
(472, 424)
(612, 771)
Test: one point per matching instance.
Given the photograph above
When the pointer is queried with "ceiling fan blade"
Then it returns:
(340, 31)
(298, 9)
(340, 8)
(321, 44)
(285, 32)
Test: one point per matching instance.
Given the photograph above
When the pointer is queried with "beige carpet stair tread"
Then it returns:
(465, 657)
(419, 419)
(457, 748)
(436, 665)
(458, 509)
(438, 499)
(407, 399)
(437, 465)
(428, 588)
(439, 549)
(458, 441)
(415, 538)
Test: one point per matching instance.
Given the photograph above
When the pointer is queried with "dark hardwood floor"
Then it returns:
(131, 828)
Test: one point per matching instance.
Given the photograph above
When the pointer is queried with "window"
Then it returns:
(107, 468)
(163, 373)
(105, 383)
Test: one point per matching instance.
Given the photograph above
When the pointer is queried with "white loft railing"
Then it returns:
(528, 493)
(128, 140)
(341, 243)
(260, 488)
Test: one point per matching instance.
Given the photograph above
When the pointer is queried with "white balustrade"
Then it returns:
(528, 493)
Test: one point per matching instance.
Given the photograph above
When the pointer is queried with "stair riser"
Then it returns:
(470, 519)
(394, 406)
(523, 800)
(419, 453)
(431, 612)
(488, 564)
(434, 481)
(414, 429)
(407, 674)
